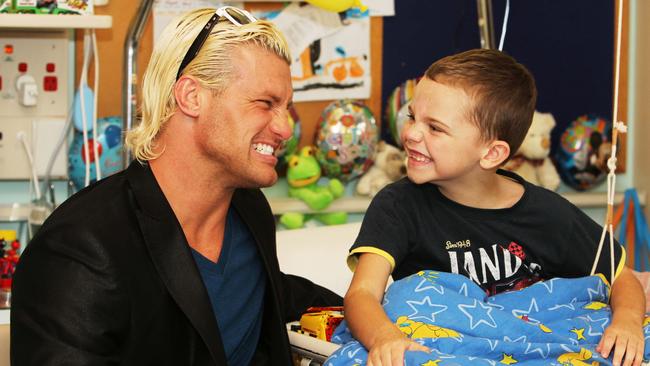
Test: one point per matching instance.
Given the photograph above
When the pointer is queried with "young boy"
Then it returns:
(457, 212)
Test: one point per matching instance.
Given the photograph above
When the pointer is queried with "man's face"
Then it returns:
(441, 143)
(244, 126)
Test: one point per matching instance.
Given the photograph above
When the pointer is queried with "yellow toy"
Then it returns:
(337, 5)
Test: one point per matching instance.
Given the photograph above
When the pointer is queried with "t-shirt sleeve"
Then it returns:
(583, 247)
(384, 230)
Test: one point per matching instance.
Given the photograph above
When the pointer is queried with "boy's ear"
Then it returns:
(496, 153)
(186, 93)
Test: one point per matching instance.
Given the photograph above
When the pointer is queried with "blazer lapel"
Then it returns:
(172, 257)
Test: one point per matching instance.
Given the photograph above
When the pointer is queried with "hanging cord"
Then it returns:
(505, 25)
(618, 126)
(82, 101)
(98, 170)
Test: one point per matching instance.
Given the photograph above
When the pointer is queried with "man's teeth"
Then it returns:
(263, 149)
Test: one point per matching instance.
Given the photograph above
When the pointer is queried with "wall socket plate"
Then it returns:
(42, 123)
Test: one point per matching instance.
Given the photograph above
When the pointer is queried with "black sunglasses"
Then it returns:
(235, 15)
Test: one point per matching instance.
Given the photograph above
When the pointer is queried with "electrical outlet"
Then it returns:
(34, 99)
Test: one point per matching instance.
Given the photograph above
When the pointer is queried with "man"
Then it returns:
(173, 261)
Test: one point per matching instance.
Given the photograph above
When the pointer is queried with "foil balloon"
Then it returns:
(346, 137)
(290, 145)
(396, 109)
(109, 152)
(584, 148)
(336, 5)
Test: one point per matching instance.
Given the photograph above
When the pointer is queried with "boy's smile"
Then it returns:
(441, 142)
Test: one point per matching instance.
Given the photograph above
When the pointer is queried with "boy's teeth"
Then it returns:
(263, 149)
(419, 158)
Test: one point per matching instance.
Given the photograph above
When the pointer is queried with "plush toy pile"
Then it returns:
(532, 160)
(389, 166)
(303, 173)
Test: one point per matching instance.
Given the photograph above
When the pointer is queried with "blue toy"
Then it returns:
(584, 149)
(109, 140)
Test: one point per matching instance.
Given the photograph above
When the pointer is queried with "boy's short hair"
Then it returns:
(502, 90)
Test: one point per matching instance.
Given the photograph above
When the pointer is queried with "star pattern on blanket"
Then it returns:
(507, 359)
(431, 363)
(421, 310)
(480, 312)
(489, 332)
(428, 284)
(579, 333)
(532, 308)
(571, 305)
(538, 349)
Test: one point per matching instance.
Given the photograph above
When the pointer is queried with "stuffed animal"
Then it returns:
(531, 160)
(389, 166)
(303, 173)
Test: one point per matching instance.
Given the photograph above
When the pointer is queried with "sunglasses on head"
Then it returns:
(235, 15)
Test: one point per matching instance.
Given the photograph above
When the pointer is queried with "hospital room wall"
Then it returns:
(640, 92)
(111, 43)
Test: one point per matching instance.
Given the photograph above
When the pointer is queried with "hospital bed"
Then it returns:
(319, 254)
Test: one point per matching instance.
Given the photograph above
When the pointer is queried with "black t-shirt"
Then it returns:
(542, 236)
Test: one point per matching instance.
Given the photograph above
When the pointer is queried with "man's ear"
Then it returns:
(186, 93)
(496, 153)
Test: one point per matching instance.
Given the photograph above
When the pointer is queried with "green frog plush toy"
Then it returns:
(303, 173)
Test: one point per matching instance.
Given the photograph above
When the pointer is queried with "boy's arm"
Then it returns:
(625, 333)
(366, 318)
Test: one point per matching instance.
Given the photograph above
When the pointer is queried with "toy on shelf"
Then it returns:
(320, 322)
(397, 108)
(389, 166)
(337, 5)
(303, 174)
(585, 147)
(109, 152)
(291, 145)
(345, 138)
(9, 254)
(75, 7)
(532, 160)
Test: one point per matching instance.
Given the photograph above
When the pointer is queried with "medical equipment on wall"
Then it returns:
(36, 97)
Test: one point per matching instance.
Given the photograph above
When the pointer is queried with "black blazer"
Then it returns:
(109, 279)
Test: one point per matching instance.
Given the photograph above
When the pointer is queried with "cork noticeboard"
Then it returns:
(111, 55)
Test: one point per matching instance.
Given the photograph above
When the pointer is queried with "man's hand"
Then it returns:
(389, 350)
(625, 336)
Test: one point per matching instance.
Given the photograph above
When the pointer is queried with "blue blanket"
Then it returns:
(555, 322)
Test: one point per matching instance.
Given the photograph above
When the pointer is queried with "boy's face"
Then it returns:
(442, 144)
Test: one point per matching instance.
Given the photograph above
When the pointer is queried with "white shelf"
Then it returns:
(48, 21)
(4, 316)
(14, 212)
(280, 205)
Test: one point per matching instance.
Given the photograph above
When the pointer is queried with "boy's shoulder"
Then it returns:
(404, 188)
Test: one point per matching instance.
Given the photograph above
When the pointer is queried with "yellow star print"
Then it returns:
(508, 360)
(431, 363)
(579, 333)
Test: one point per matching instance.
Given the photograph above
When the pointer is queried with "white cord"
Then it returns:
(57, 149)
(98, 170)
(82, 82)
(30, 159)
(611, 162)
(505, 25)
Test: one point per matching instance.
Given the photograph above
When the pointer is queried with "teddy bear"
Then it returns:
(532, 160)
(389, 166)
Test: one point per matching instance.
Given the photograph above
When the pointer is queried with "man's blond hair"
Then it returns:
(212, 66)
